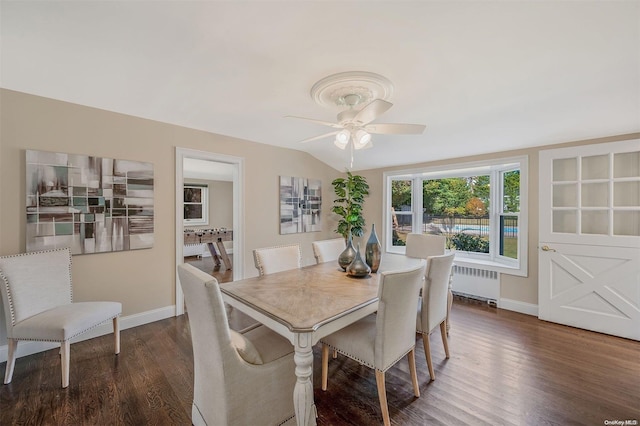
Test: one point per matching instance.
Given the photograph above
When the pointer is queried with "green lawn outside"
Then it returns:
(510, 244)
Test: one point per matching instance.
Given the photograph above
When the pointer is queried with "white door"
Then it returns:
(589, 238)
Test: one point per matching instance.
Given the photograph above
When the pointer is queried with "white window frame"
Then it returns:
(494, 168)
(204, 202)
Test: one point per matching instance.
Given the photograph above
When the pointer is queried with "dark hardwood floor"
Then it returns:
(505, 369)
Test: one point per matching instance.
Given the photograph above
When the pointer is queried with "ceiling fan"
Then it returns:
(356, 124)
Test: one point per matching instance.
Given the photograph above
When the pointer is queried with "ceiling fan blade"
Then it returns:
(324, 123)
(395, 129)
(372, 110)
(326, 135)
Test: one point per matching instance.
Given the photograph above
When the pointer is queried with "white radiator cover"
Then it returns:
(479, 283)
(202, 250)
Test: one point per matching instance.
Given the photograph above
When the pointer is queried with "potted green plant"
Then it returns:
(350, 193)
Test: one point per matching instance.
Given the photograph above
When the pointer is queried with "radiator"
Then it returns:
(195, 250)
(476, 283)
(202, 250)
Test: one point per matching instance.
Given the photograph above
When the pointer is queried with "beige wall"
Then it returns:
(142, 280)
(520, 289)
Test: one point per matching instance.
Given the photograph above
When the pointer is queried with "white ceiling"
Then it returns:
(483, 76)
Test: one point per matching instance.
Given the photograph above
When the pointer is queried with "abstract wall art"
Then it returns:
(90, 204)
(300, 203)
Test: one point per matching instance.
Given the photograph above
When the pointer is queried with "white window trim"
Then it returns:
(492, 261)
(204, 201)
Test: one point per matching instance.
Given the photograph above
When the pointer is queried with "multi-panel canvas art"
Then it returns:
(90, 204)
(300, 202)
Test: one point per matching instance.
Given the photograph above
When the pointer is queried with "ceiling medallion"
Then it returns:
(352, 89)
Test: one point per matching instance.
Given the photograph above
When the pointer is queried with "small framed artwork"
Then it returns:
(300, 205)
(196, 204)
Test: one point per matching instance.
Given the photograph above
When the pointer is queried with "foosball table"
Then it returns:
(212, 238)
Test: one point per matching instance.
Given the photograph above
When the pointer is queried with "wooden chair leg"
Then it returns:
(325, 366)
(443, 333)
(427, 355)
(382, 395)
(116, 334)
(12, 346)
(414, 373)
(335, 354)
(449, 304)
(65, 349)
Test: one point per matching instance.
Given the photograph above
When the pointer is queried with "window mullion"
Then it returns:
(416, 205)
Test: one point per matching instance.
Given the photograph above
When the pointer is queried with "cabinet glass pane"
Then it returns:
(564, 221)
(595, 222)
(626, 164)
(595, 194)
(626, 223)
(626, 194)
(565, 195)
(595, 167)
(565, 169)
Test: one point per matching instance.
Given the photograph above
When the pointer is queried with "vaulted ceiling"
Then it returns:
(484, 76)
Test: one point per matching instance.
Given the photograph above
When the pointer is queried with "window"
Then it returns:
(196, 204)
(480, 208)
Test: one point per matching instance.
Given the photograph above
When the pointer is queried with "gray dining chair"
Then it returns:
(269, 260)
(38, 304)
(328, 250)
(380, 340)
(433, 304)
(240, 378)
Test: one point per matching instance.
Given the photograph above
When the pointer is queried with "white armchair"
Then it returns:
(433, 306)
(37, 296)
(328, 250)
(244, 378)
(380, 340)
(269, 260)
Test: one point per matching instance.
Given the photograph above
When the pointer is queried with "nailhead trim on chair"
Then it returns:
(6, 282)
(75, 335)
(261, 266)
(366, 363)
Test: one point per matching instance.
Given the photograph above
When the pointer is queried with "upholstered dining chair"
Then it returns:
(37, 295)
(328, 250)
(380, 340)
(240, 378)
(269, 260)
(425, 245)
(433, 305)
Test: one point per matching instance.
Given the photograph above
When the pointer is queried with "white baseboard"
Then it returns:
(28, 348)
(517, 306)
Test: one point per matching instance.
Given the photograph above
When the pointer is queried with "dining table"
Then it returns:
(306, 304)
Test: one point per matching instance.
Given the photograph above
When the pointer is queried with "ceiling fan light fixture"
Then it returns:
(361, 139)
(342, 138)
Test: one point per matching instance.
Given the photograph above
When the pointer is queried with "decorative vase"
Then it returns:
(347, 256)
(373, 250)
(358, 268)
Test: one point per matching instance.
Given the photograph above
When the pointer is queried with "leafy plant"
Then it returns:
(468, 242)
(350, 192)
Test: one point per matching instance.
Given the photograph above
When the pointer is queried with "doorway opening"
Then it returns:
(209, 212)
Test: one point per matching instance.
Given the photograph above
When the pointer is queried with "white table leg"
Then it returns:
(303, 392)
